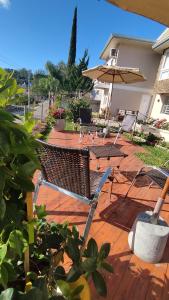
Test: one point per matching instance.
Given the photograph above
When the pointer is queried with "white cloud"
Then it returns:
(5, 3)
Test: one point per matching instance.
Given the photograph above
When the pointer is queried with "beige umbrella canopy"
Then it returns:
(114, 74)
(157, 10)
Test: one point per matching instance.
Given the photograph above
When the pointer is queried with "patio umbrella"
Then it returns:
(156, 10)
(114, 74)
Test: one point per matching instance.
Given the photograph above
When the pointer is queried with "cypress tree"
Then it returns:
(72, 49)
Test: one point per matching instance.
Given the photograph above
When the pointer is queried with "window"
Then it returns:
(165, 107)
(165, 69)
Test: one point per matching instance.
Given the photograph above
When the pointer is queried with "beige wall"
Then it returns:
(125, 100)
(129, 96)
(142, 57)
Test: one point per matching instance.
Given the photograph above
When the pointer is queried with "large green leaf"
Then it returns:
(8, 294)
(104, 251)
(92, 248)
(17, 242)
(74, 274)
(59, 273)
(3, 275)
(99, 283)
(89, 264)
(73, 250)
(10, 269)
(2, 207)
(64, 287)
(107, 267)
(3, 251)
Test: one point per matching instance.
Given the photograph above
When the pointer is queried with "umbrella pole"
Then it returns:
(107, 117)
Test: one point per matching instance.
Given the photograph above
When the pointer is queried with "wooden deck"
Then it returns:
(132, 278)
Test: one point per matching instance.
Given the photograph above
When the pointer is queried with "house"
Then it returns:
(129, 52)
(160, 105)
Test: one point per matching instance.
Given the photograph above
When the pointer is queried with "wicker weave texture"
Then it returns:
(66, 167)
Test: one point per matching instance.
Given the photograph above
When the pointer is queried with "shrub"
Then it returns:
(75, 106)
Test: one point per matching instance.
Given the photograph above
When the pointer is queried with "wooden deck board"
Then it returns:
(132, 278)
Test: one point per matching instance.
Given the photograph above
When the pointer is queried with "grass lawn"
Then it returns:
(154, 156)
(70, 125)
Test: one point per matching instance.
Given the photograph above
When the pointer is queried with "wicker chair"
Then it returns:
(157, 175)
(67, 170)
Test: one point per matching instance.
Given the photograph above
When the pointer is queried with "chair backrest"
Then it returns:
(85, 115)
(66, 167)
(128, 122)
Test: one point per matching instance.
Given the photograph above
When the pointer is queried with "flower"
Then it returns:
(59, 113)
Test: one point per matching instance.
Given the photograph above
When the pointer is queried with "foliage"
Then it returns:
(76, 81)
(44, 86)
(9, 91)
(58, 72)
(61, 239)
(72, 49)
(70, 79)
(18, 161)
(21, 76)
(152, 139)
(75, 105)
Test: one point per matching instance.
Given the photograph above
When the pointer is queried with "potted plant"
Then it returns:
(59, 115)
(47, 278)
(152, 139)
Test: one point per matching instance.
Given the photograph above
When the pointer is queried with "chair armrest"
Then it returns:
(102, 182)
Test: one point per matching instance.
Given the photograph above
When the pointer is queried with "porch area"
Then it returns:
(132, 278)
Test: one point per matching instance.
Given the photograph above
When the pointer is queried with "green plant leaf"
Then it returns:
(34, 294)
(64, 287)
(104, 251)
(3, 275)
(8, 294)
(92, 248)
(3, 251)
(99, 283)
(40, 283)
(89, 264)
(73, 274)
(107, 267)
(77, 290)
(17, 242)
(59, 273)
(41, 211)
(10, 269)
(3, 208)
(72, 250)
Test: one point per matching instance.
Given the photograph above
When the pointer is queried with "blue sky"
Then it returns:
(34, 31)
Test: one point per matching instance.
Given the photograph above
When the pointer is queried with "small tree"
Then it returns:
(76, 81)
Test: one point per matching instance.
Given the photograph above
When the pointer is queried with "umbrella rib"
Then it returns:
(107, 72)
(122, 78)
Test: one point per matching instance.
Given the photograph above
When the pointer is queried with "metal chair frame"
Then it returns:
(121, 128)
(91, 200)
(141, 173)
